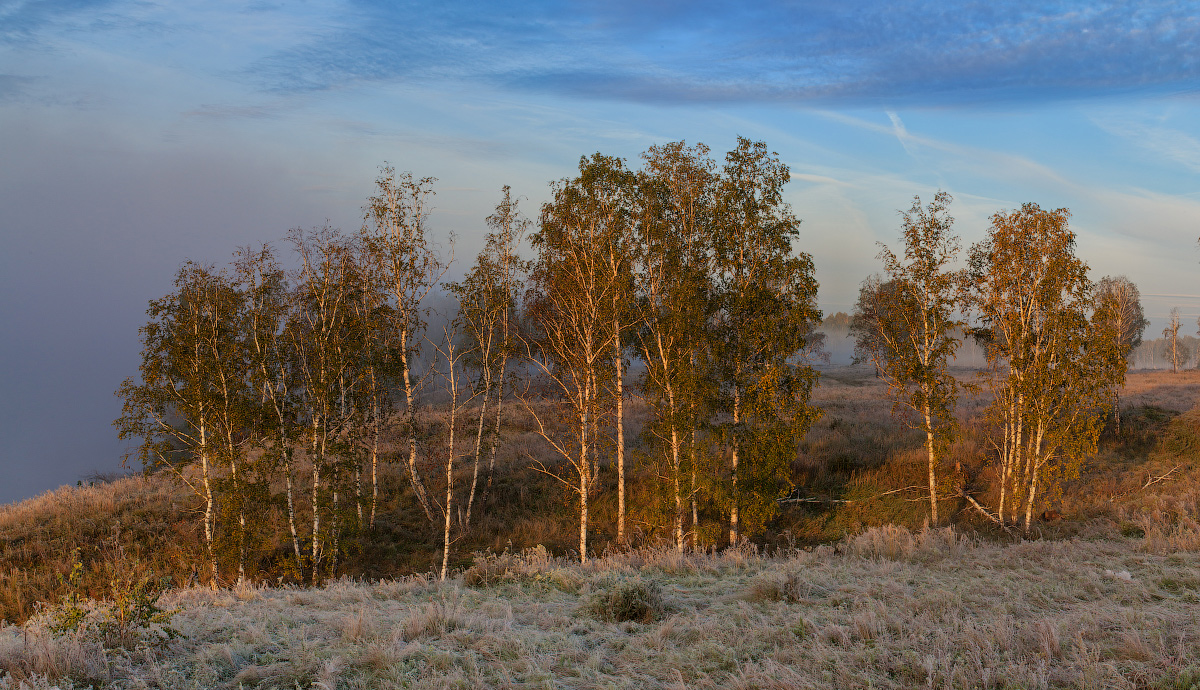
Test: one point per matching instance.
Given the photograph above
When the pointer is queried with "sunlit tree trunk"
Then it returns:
(733, 496)
(414, 474)
(210, 525)
(929, 446)
(620, 424)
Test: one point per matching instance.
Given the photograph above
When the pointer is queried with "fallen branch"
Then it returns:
(1151, 479)
(985, 513)
(814, 499)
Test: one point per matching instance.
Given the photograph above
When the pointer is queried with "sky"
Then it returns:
(137, 135)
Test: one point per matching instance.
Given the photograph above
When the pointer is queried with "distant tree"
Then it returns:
(1121, 296)
(1054, 367)
(1118, 298)
(907, 327)
(1174, 350)
(765, 297)
(839, 321)
(874, 296)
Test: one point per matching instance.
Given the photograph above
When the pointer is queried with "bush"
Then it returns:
(531, 565)
(787, 586)
(619, 599)
(1188, 679)
(132, 619)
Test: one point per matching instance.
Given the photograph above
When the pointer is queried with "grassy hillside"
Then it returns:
(1135, 508)
(885, 609)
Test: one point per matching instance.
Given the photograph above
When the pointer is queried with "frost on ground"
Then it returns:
(886, 609)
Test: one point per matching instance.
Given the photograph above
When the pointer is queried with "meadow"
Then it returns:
(847, 587)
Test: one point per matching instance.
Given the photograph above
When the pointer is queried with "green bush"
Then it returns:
(131, 619)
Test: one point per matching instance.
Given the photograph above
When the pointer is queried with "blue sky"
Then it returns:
(135, 135)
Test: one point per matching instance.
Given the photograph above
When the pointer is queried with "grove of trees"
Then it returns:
(265, 386)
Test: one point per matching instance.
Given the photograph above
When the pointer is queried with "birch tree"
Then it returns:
(570, 315)
(908, 328)
(1052, 355)
(1174, 351)
(488, 297)
(766, 308)
(376, 371)
(1119, 298)
(323, 337)
(271, 370)
(672, 281)
(176, 410)
(394, 238)
(450, 355)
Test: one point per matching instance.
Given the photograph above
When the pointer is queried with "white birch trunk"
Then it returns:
(291, 506)
(374, 456)
(209, 503)
(734, 497)
(933, 507)
(478, 449)
(495, 442)
(413, 475)
(620, 433)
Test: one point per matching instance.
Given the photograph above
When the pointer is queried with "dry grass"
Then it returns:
(1178, 392)
(1104, 598)
(888, 608)
(861, 467)
(127, 528)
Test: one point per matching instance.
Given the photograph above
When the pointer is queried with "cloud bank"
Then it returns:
(878, 52)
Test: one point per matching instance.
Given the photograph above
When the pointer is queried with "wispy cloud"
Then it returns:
(990, 163)
(21, 19)
(877, 52)
(225, 112)
(900, 130)
(1165, 142)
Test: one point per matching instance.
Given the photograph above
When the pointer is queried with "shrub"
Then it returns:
(1171, 524)
(131, 619)
(1188, 679)
(531, 565)
(1132, 531)
(788, 586)
(619, 599)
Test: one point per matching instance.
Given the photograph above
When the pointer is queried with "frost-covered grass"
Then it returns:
(888, 608)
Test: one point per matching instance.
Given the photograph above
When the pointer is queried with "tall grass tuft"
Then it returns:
(893, 542)
(1171, 524)
(616, 599)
